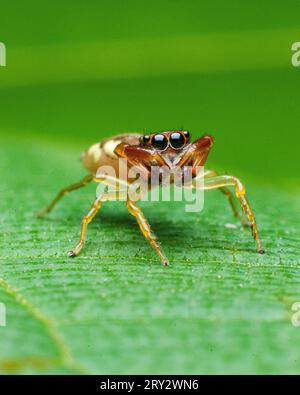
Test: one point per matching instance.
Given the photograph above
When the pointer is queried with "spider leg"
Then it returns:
(145, 229)
(85, 181)
(230, 196)
(96, 206)
(137, 156)
(217, 182)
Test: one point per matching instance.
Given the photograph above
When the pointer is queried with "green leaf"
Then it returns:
(220, 307)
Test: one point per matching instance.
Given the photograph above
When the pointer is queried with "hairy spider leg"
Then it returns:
(218, 182)
(85, 181)
(118, 194)
(145, 229)
(230, 196)
(96, 206)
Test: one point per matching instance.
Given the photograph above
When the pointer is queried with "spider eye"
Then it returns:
(159, 141)
(177, 140)
(186, 134)
(146, 139)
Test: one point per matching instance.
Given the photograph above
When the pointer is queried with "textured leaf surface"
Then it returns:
(220, 307)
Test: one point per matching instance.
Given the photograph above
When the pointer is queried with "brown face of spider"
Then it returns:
(171, 141)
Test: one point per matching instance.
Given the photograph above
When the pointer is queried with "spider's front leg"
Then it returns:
(240, 191)
(219, 182)
(146, 230)
(96, 206)
(230, 196)
(142, 159)
(196, 156)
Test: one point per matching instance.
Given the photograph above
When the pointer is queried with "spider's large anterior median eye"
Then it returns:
(177, 140)
(159, 141)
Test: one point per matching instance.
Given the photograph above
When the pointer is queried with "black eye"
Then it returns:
(186, 134)
(146, 139)
(159, 141)
(177, 140)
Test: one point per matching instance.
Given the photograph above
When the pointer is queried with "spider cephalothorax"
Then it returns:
(170, 148)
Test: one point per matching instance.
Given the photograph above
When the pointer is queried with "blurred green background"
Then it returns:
(79, 71)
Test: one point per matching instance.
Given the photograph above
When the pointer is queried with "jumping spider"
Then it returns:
(168, 148)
